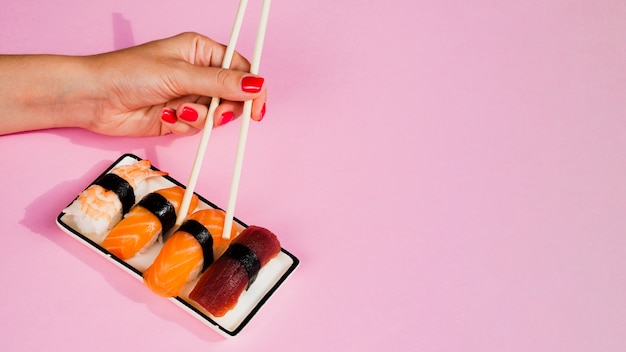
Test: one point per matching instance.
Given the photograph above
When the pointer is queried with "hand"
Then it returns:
(173, 78)
(152, 89)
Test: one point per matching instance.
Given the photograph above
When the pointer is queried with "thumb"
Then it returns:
(219, 82)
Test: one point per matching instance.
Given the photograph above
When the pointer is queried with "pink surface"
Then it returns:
(452, 175)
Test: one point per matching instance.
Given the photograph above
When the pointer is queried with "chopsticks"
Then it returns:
(245, 120)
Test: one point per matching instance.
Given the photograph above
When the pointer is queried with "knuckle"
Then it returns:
(223, 76)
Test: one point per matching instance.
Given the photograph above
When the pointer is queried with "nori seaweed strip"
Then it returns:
(161, 208)
(203, 236)
(247, 258)
(119, 186)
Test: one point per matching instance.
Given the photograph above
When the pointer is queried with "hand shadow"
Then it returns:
(40, 216)
(122, 32)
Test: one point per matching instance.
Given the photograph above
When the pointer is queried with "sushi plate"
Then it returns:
(268, 280)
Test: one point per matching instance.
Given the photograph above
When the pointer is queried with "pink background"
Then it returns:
(452, 175)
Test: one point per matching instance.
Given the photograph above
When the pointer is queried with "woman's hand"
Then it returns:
(152, 89)
(173, 78)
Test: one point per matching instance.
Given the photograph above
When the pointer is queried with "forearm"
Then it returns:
(46, 91)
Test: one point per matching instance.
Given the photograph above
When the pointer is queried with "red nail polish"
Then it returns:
(226, 117)
(168, 116)
(189, 114)
(262, 112)
(252, 84)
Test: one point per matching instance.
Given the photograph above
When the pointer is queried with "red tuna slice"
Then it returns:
(220, 286)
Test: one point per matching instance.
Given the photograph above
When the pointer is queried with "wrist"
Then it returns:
(46, 91)
(74, 96)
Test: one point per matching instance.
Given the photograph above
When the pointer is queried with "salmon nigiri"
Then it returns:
(154, 215)
(188, 252)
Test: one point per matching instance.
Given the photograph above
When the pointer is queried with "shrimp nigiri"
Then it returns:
(188, 252)
(154, 215)
(99, 207)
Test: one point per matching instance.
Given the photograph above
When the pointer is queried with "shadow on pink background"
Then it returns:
(122, 32)
(451, 175)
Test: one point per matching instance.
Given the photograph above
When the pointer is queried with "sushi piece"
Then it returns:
(154, 215)
(188, 252)
(220, 286)
(99, 207)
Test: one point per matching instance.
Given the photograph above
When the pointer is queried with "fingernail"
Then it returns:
(226, 118)
(252, 84)
(168, 115)
(189, 114)
(262, 112)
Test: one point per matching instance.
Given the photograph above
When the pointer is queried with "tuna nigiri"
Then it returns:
(188, 252)
(154, 215)
(220, 286)
(99, 207)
